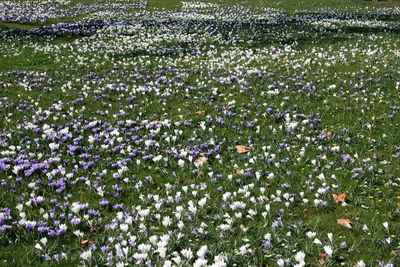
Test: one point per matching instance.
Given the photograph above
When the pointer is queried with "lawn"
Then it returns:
(199, 133)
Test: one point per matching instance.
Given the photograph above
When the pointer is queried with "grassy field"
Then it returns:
(194, 133)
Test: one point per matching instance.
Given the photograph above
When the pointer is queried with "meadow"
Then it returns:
(199, 133)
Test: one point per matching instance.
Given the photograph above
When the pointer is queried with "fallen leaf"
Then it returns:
(339, 198)
(238, 172)
(200, 173)
(344, 222)
(191, 180)
(322, 259)
(85, 241)
(241, 149)
(157, 122)
(327, 132)
(200, 112)
(398, 204)
(394, 253)
(305, 214)
(202, 160)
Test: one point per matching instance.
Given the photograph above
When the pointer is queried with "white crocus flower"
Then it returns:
(328, 250)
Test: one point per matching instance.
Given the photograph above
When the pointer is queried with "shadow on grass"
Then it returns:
(288, 30)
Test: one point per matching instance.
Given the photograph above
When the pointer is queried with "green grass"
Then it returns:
(301, 59)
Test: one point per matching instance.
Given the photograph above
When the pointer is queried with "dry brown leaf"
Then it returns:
(398, 204)
(238, 172)
(200, 112)
(265, 198)
(191, 180)
(157, 122)
(339, 198)
(305, 214)
(200, 173)
(322, 259)
(241, 149)
(394, 253)
(202, 160)
(344, 222)
(85, 241)
(327, 132)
